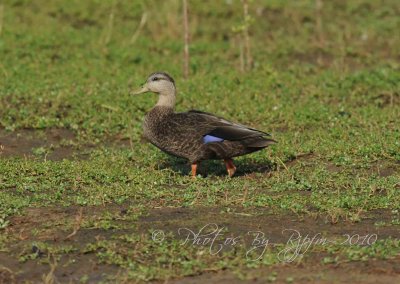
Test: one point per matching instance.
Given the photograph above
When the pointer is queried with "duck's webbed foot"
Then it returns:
(194, 170)
(230, 167)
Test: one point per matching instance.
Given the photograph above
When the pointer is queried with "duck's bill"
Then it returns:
(142, 90)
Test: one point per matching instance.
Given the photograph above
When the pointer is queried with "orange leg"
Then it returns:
(194, 170)
(230, 167)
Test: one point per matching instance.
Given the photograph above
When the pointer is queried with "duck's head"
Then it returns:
(160, 83)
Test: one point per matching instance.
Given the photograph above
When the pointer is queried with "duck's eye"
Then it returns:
(155, 79)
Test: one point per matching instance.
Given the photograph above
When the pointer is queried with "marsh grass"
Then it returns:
(332, 107)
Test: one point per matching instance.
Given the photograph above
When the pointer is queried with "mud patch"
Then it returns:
(38, 228)
(310, 270)
(56, 223)
(275, 226)
(29, 259)
(6, 275)
(384, 169)
(332, 168)
(53, 144)
(300, 158)
(387, 100)
(68, 269)
(369, 272)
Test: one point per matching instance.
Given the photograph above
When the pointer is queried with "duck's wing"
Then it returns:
(218, 127)
(222, 123)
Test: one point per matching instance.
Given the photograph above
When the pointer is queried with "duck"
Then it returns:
(195, 135)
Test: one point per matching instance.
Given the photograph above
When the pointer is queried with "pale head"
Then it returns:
(159, 83)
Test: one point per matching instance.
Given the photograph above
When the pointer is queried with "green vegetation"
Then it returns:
(332, 104)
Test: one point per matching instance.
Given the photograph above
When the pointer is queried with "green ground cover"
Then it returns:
(331, 98)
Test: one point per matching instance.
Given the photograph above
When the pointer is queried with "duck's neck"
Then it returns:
(167, 99)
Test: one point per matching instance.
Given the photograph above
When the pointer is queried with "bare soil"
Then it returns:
(55, 224)
(55, 144)
(373, 271)
(58, 142)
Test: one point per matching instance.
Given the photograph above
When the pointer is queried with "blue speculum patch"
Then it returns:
(210, 138)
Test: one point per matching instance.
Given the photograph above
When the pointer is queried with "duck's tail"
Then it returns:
(258, 142)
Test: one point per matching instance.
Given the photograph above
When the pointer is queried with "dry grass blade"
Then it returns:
(186, 40)
(241, 55)
(249, 59)
(1, 17)
(77, 225)
(50, 278)
(6, 275)
(143, 21)
(110, 25)
(318, 20)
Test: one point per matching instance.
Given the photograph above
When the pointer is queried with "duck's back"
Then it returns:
(199, 136)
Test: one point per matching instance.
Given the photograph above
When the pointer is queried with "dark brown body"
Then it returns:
(181, 134)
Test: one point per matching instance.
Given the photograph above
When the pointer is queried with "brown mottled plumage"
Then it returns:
(182, 134)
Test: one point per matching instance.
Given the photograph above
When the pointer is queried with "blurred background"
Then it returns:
(72, 63)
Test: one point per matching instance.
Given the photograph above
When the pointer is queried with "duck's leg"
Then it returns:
(194, 170)
(230, 167)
